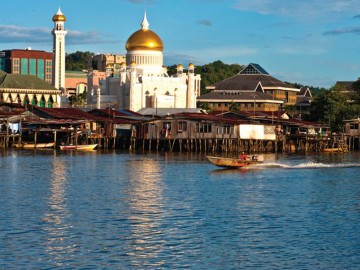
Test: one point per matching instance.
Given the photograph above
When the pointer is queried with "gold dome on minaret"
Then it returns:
(59, 17)
(144, 39)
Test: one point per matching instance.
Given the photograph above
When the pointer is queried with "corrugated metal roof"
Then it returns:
(246, 82)
(167, 111)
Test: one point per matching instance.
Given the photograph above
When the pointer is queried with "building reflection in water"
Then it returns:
(58, 242)
(146, 213)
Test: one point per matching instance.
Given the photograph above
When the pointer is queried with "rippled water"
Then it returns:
(116, 210)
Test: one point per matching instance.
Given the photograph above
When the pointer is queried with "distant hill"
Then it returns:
(212, 73)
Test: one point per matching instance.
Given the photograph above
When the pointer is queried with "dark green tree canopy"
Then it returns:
(77, 60)
(333, 107)
(212, 73)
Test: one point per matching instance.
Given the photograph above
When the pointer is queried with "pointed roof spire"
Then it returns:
(145, 23)
(59, 12)
(59, 16)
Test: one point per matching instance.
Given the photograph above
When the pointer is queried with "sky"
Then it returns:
(310, 42)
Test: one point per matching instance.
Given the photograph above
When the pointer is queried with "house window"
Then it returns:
(166, 130)
(354, 126)
(203, 128)
(182, 126)
(225, 130)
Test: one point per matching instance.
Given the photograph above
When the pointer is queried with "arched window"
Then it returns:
(26, 100)
(34, 101)
(50, 102)
(42, 102)
(10, 99)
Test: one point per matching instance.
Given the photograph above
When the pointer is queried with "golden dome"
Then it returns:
(59, 17)
(144, 39)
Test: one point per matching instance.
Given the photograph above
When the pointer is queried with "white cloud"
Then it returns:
(42, 35)
(13, 33)
(205, 22)
(300, 9)
(349, 30)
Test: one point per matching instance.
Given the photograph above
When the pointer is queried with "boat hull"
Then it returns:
(334, 150)
(35, 146)
(78, 147)
(231, 162)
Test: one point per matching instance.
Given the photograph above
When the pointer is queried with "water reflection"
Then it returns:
(145, 198)
(57, 214)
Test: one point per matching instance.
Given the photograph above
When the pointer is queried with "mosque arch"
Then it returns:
(34, 100)
(10, 99)
(42, 102)
(26, 100)
(50, 102)
(147, 99)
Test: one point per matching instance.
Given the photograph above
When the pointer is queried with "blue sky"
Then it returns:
(311, 42)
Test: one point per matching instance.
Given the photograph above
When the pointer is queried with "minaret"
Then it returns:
(191, 103)
(59, 33)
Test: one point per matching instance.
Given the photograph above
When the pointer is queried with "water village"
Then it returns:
(133, 102)
(233, 131)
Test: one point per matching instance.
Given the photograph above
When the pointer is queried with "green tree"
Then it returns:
(356, 87)
(79, 100)
(212, 73)
(333, 107)
(77, 60)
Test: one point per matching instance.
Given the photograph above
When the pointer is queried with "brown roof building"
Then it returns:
(251, 89)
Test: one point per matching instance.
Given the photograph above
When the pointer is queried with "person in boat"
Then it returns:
(243, 156)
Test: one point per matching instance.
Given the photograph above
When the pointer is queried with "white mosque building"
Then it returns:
(143, 81)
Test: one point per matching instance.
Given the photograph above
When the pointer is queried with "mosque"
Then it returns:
(143, 81)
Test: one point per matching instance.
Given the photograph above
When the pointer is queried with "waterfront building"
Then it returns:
(59, 33)
(345, 86)
(303, 100)
(27, 89)
(143, 81)
(252, 89)
(27, 62)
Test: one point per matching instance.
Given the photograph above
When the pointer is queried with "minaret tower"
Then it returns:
(59, 33)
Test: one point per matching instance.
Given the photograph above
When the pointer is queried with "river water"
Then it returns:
(121, 210)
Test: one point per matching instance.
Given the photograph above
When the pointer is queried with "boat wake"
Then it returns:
(306, 165)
